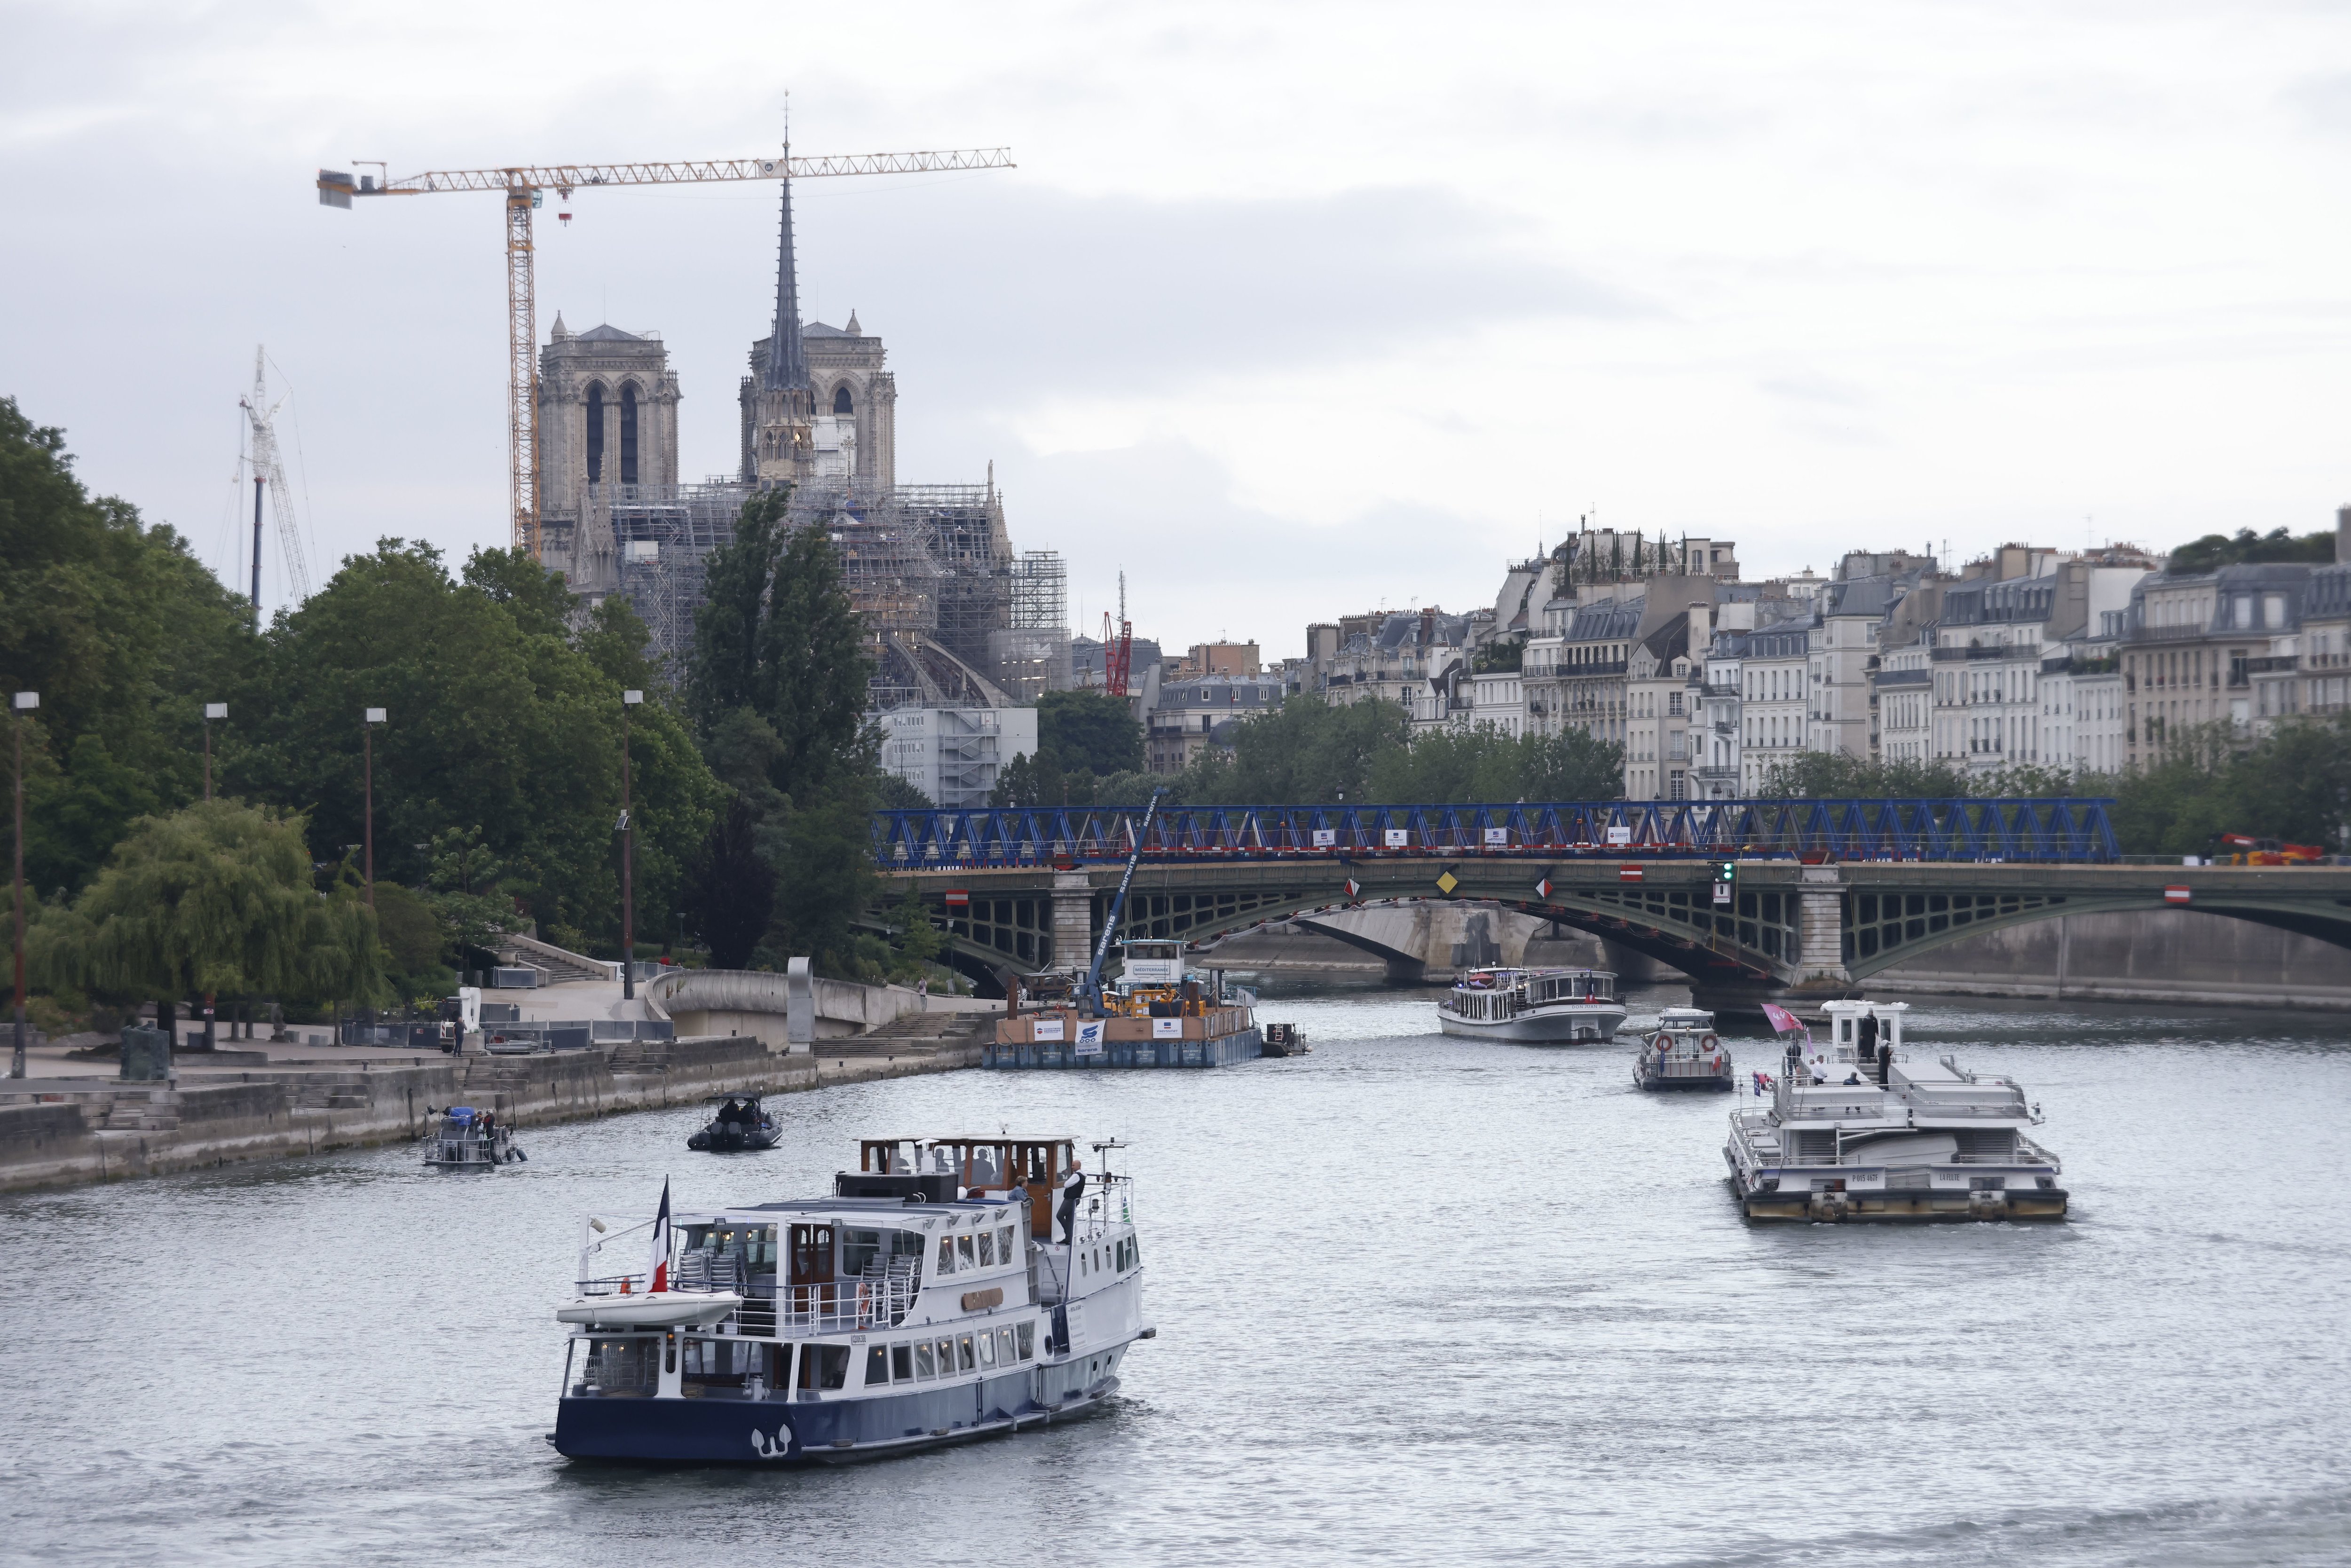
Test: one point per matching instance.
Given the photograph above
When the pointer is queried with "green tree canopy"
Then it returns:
(2247, 548)
(218, 897)
(1089, 731)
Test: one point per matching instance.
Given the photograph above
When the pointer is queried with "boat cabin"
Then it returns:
(1571, 985)
(977, 1165)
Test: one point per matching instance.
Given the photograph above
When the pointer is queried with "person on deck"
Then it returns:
(1073, 1187)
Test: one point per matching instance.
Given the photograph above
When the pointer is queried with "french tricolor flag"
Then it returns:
(661, 1243)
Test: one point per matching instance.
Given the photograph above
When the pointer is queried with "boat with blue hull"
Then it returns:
(949, 1288)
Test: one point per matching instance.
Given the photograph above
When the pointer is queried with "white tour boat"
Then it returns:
(929, 1299)
(1857, 1131)
(1682, 1051)
(1545, 1006)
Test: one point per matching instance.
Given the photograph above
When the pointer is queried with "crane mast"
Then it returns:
(523, 185)
(269, 470)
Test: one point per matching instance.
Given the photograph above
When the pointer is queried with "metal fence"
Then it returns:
(2058, 830)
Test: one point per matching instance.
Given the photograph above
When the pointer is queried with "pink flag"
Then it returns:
(661, 1243)
(1783, 1021)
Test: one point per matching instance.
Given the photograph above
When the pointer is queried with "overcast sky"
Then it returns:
(1287, 311)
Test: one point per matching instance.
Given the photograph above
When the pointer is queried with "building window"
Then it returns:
(841, 405)
(596, 433)
(629, 433)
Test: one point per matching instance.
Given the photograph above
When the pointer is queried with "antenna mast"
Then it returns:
(269, 468)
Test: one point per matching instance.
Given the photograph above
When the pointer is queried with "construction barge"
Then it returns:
(1156, 1016)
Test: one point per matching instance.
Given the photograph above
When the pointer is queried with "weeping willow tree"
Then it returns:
(215, 898)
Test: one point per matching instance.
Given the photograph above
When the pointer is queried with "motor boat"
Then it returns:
(928, 1299)
(1285, 1039)
(465, 1139)
(1682, 1051)
(1542, 1007)
(1856, 1130)
(740, 1123)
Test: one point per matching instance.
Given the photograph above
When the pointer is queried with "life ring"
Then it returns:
(1711, 1042)
(1662, 1043)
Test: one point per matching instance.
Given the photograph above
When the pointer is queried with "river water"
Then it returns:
(1419, 1300)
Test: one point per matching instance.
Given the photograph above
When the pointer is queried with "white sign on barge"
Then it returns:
(928, 1301)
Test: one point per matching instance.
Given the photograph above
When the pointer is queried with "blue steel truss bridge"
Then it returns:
(1823, 893)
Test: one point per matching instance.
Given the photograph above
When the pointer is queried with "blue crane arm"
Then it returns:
(1118, 902)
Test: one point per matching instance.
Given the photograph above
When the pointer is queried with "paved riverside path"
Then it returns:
(72, 1121)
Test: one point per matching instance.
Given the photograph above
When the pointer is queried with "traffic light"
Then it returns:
(1726, 872)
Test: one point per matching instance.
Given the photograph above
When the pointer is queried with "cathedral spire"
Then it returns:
(787, 360)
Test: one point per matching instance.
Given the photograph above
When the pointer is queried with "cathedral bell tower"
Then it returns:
(778, 440)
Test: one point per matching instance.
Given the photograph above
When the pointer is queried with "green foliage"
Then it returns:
(730, 892)
(463, 899)
(892, 793)
(1484, 765)
(2293, 785)
(1090, 732)
(779, 681)
(411, 934)
(215, 898)
(2216, 550)
(498, 722)
(125, 635)
(919, 941)
(1833, 775)
(1505, 655)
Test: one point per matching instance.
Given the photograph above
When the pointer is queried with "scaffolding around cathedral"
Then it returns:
(955, 619)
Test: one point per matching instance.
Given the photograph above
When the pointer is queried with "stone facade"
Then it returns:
(607, 416)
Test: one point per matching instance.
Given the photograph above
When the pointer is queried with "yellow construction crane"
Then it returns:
(524, 187)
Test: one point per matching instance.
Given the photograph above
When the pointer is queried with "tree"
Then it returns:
(730, 892)
(216, 897)
(2216, 550)
(464, 899)
(1089, 731)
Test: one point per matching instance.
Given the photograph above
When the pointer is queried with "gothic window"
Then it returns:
(629, 433)
(595, 433)
(841, 405)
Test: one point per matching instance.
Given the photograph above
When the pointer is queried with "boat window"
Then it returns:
(966, 1359)
(987, 1248)
(824, 1366)
(877, 1366)
(964, 1252)
(620, 1368)
(902, 1362)
(986, 1350)
(1004, 1243)
(1005, 1353)
(925, 1367)
(859, 1250)
(946, 1254)
(946, 1358)
(1027, 1340)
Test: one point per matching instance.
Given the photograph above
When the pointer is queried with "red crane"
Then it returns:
(1118, 652)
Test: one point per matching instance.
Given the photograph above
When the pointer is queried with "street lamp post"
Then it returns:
(212, 712)
(628, 860)
(369, 719)
(25, 702)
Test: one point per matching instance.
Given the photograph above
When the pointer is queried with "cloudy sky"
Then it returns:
(1287, 311)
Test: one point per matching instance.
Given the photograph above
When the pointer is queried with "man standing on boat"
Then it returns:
(1073, 1187)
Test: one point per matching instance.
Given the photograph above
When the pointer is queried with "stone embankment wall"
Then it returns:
(753, 1002)
(84, 1130)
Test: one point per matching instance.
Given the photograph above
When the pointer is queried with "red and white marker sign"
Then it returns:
(1628, 874)
(958, 898)
(2177, 895)
(1355, 888)
(1543, 888)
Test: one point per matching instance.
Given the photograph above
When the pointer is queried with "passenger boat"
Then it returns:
(741, 1123)
(469, 1140)
(1683, 1052)
(927, 1299)
(1853, 1132)
(1538, 1006)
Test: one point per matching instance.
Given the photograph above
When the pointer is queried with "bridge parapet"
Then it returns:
(2057, 831)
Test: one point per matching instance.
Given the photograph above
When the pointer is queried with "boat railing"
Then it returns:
(1687, 1067)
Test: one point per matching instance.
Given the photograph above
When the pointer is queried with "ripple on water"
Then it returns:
(1419, 1300)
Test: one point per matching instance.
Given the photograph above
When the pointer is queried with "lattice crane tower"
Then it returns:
(524, 187)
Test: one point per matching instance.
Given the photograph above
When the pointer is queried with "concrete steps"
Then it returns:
(556, 963)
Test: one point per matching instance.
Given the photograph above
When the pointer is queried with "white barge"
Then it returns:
(1683, 1052)
(928, 1300)
(1538, 1006)
(1859, 1131)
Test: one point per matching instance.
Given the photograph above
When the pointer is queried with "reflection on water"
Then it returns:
(1420, 1299)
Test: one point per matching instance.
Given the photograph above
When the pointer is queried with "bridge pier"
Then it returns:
(1073, 920)
(1820, 972)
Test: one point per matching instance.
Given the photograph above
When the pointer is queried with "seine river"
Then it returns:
(1419, 1301)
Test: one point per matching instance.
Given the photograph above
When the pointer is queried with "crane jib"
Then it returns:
(681, 172)
(1118, 902)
